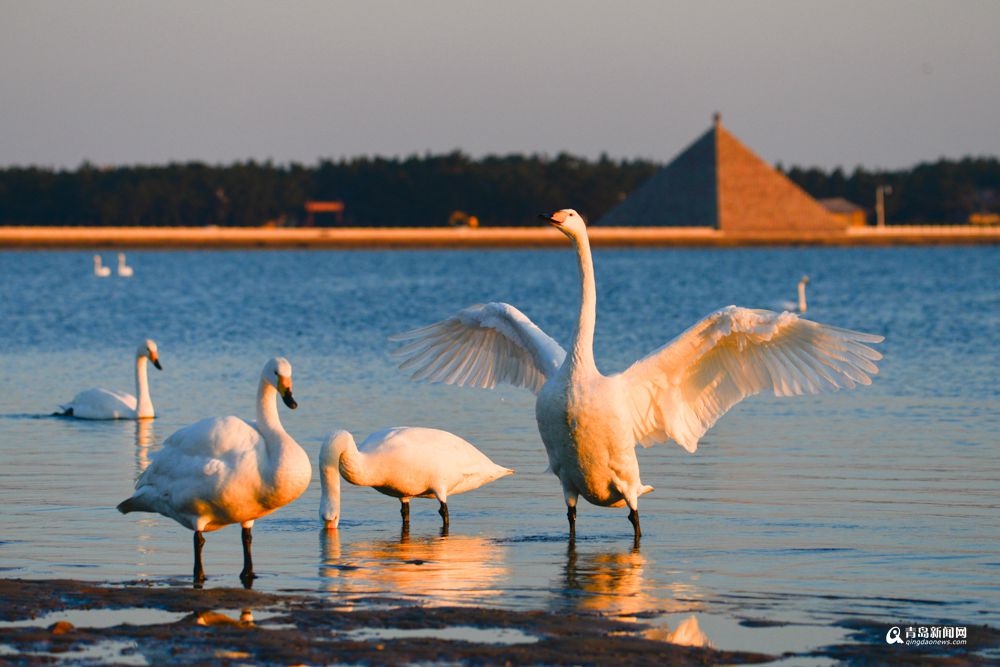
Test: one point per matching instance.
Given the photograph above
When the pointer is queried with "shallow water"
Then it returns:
(881, 502)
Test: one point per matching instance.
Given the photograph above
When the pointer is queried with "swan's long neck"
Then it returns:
(144, 404)
(802, 296)
(582, 350)
(354, 464)
(339, 457)
(329, 480)
(268, 422)
(287, 471)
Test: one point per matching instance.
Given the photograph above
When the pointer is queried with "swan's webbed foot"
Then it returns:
(199, 571)
(443, 511)
(247, 576)
(633, 517)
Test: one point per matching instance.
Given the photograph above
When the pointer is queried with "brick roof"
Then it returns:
(718, 182)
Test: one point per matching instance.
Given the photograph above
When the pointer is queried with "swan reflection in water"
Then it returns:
(614, 584)
(143, 444)
(440, 569)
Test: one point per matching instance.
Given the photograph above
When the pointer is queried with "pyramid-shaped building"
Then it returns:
(720, 183)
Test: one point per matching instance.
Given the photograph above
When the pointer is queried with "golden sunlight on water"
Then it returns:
(143, 444)
(460, 569)
(616, 585)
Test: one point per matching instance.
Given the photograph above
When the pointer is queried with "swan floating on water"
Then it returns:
(801, 306)
(802, 293)
(123, 270)
(107, 404)
(100, 270)
(224, 470)
(589, 422)
(405, 462)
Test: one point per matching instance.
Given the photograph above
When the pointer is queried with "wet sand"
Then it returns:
(230, 626)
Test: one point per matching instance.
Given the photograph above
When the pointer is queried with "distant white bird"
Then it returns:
(404, 463)
(589, 422)
(224, 470)
(799, 307)
(123, 270)
(107, 404)
(100, 270)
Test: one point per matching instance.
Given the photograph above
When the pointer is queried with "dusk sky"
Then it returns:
(880, 84)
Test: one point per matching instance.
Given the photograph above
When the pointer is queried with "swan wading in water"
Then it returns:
(224, 470)
(589, 422)
(100, 270)
(404, 463)
(124, 270)
(107, 404)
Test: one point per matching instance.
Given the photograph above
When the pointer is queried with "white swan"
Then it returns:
(123, 270)
(801, 306)
(404, 463)
(589, 422)
(107, 404)
(99, 270)
(224, 470)
(802, 293)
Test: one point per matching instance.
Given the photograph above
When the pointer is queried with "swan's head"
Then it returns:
(148, 349)
(278, 373)
(567, 221)
(804, 281)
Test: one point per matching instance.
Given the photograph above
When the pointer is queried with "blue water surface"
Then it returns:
(882, 502)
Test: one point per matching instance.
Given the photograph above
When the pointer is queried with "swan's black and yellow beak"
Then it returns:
(285, 389)
(549, 219)
(156, 362)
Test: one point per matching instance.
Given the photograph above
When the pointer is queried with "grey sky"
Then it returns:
(878, 83)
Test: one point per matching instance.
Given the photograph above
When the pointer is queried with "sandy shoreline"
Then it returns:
(447, 237)
(172, 622)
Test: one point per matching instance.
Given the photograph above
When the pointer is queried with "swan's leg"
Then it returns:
(199, 571)
(633, 516)
(247, 576)
(404, 509)
(571, 497)
(632, 500)
(442, 497)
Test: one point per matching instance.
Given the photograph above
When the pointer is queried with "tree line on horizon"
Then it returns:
(426, 190)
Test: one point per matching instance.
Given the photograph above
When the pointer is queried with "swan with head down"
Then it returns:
(225, 470)
(405, 463)
(107, 404)
(590, 423)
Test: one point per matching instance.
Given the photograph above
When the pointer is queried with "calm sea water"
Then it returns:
(881, 503)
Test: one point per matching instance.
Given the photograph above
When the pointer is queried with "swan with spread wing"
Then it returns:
(590, 423)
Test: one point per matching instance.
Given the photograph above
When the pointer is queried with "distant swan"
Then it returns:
(224, 470)
(799, 307)
(107, 404)
(99, 270)
(123, 270)
(589, 422)
(404, 463)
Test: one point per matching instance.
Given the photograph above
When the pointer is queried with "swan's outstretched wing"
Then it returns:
(479, 347)
(681, 390)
